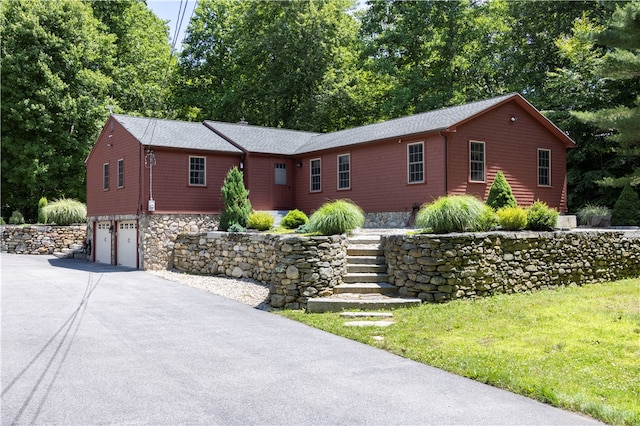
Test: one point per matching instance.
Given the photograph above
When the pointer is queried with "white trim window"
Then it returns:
(280, 172)
(315, 175)
(344, 171)
(105, 176)
(477, 164)
(415, 162)
(544, 167)
(197, 171)
(121, 173)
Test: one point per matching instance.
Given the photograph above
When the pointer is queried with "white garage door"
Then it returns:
(128, 244)
(102, 245)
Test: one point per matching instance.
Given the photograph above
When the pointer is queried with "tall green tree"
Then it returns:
(621, 64)
(143, 61)
(272, 63)
(55, 63)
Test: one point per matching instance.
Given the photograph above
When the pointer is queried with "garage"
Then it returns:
(102, 244)
(127, 237)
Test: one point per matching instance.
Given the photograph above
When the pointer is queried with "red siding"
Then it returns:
(114, 143)
(379, 180)
(260, 180)
(171, 189)
(510, 147)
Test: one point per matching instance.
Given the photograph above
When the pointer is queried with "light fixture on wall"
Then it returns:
(242, 165)
(299, 164)
(514, 118)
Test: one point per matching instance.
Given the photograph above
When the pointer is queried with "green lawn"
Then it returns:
(577, 348)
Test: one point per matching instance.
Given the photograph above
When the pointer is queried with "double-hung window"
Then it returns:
(415, 162)
(280, 171)
(105, 176)
(544, 167)
(315, 175)
(344, 171)
(476, 161)
(121, 173)
(197, 171)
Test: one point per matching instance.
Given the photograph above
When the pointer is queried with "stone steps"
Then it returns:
(365, 286)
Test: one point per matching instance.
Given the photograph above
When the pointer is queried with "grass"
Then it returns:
(455, 213)
(577, 348)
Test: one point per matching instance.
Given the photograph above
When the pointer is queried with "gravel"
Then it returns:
(250, 292)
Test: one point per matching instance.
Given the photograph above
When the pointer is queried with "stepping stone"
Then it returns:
(366, 315)
(381, 323)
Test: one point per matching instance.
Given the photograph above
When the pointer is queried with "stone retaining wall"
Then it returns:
(42, 239)
(444, 267)
(159, 232)
(295, 267)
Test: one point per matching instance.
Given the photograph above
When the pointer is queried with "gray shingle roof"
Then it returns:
(174, 134)
(267, 140)
(419, 123)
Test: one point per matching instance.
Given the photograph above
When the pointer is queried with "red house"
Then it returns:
(144, 170)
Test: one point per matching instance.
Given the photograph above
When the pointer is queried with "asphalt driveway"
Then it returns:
(88, 344)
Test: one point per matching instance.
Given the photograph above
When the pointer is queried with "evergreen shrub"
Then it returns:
(587, 212)
(626, 211)
(235, 197)
(500, 194)
(541, 217)
(454, 213)
(16, 218)
(66, 211)
(2, 222)
(512, 218)
(42, 214)
(336, 217)
(236, 227)
(261, 221)
(294, 219)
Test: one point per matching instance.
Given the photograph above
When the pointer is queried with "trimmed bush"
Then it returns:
(2, 222)
(237, 207)
(626, 211)
(42, 214)
(336, 217)
(512, 218)
(589, 211)
(260, 221)
(541, 217)
(294, 219)
(66, 211)
(500, 194)
(454, 213)
(16, 218)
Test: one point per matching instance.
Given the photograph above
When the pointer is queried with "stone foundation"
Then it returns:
(159, 232)
(42, 239)
(387, 220)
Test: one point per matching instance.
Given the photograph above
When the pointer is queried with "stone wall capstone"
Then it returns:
(295, 267)
(438, 268)
(42, 239)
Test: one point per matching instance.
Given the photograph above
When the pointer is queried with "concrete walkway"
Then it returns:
(88, 344)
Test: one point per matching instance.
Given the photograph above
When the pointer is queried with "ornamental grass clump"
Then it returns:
(261, 221)
(455, 213)
(587, 212)
(512, 218)
(541, 217)
(16, 218)
(66, 211)
(294, 219)
(42, 215)
(336, 217)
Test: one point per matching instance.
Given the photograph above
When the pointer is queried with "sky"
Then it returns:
(168, 10)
